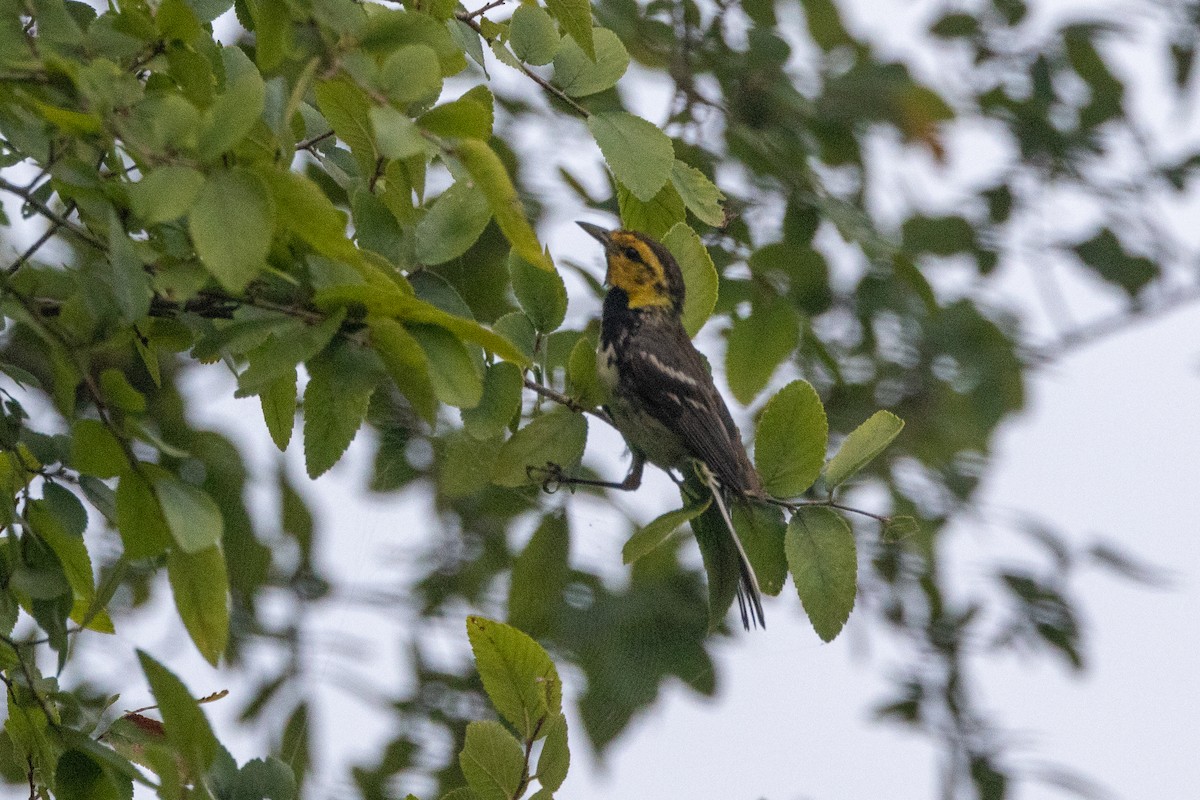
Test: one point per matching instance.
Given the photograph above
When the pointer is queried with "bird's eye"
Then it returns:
(632, 254)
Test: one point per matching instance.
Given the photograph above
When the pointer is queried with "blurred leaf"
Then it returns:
(347, 109)
(397, 135)
(1105, 255)
(539, 577)
(821, 556)
(78, 777)
(192, 517)
(200, 587)
(862, 446)
(758, 344)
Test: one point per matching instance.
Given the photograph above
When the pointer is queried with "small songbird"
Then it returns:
(663, 400)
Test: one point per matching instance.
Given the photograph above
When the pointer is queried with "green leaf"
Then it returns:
(232, 115)
(278, 356)
(533, 35)
(541, 293)
(398, 136)
(700, 278)
(655, 218)
(55, 520)
(405, 361)
(790, 443)
(556, 757)
(279, 408)
(575, 16)
(335, 405)
(517, 674)
(700, 195)
(758, 344)
(761, 529)
(556, 438)
(465, 118)
(200, 586)
(165, 193)
(719, 554)
(492, 179)
(897, 529)
(192, 517)
(307, 213)
(140, 518)
(500, 402)
(346, 108)
(639, 154)
(186, 726)
(821, 556)
(659, 529)
(231, 224)
(119, 393)
(453, 223)
(415, 311)
(539, 578)
(586, 386)
(78, 777)
(1106, 256)
(411, 73)
(126, 276)
(455, 375)
(862, 445)
(492, 761)
(95, 451)
(579, 75)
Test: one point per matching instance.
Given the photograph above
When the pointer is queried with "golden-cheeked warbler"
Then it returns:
(662, 397)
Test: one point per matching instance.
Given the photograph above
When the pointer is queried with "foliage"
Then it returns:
(329, 206)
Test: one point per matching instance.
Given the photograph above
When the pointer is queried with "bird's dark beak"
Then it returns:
(596, 232)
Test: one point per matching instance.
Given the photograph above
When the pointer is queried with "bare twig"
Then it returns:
(50, 214)
(538, 79)
(564, 400)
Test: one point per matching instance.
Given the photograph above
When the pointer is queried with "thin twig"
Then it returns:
(479, 12)
(538, 79)
(50, 214)
(308, 143)
(564, 400)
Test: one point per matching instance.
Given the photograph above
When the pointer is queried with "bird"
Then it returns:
(662, 396)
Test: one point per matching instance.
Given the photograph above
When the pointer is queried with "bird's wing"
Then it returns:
(670, 379)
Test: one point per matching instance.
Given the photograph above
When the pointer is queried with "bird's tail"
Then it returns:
(749, 596)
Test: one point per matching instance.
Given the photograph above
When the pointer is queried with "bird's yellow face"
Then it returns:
(641, 267)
